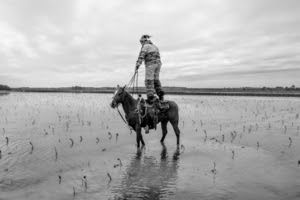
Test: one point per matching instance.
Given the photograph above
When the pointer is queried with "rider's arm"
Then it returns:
(141, 56)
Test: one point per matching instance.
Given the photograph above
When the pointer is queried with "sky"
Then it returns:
(203, 43)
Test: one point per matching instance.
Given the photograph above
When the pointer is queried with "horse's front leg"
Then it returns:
(139, 137)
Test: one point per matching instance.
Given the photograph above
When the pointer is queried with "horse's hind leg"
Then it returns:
(164, 130)
(176, 130)
(137, 139)
(142, 140)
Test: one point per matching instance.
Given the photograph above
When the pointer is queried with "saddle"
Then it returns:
(149, 112)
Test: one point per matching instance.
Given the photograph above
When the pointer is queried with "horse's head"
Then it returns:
(118, 96)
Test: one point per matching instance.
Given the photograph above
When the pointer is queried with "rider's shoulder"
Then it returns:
(149, 47)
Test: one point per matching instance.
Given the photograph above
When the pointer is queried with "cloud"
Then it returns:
(95, 43)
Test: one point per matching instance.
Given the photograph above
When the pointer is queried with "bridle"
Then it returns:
(133, 84)
(122, 117)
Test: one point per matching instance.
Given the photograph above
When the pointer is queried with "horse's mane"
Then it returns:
(129, 94)
(130, 97)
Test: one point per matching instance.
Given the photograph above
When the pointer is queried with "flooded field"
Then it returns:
(74, 146)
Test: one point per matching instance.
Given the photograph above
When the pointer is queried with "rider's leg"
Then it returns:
(157, 85)
(149, 83)
(150, 90)
(150, 96)
(160, 93)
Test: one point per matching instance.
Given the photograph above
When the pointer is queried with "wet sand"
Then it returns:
(65, 146)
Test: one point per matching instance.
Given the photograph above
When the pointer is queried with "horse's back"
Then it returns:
(172, 112)
(172, 104)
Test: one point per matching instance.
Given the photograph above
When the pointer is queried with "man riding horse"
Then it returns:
(150, 55)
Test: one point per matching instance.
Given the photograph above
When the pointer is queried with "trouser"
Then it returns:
(152, 82)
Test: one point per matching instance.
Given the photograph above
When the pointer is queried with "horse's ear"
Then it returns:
(124, 87)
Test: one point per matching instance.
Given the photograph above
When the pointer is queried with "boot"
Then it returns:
(150, 100)
(146, 129)
(161, 95)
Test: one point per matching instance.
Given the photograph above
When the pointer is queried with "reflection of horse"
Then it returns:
(147, 178)
(130, 108)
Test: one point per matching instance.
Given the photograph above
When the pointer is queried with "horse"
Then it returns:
(129, 104)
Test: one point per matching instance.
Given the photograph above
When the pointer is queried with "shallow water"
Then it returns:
(252, 141)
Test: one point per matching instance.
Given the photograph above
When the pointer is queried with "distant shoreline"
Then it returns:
(2, 92)
(272, 92)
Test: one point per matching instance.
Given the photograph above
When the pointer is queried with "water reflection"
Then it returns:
(148, 178)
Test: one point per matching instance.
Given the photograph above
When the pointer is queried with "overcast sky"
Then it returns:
(212, 43)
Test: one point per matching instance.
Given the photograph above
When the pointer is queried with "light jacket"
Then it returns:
(149, 53)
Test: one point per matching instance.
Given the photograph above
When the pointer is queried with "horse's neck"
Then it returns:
(129, 104)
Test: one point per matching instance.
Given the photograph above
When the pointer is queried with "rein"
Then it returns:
(130, 128)
(133, 83)
(122, 116)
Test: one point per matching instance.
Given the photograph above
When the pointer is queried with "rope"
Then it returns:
(137, 81)
(132, 80)
(146, 110)
(133, 83)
